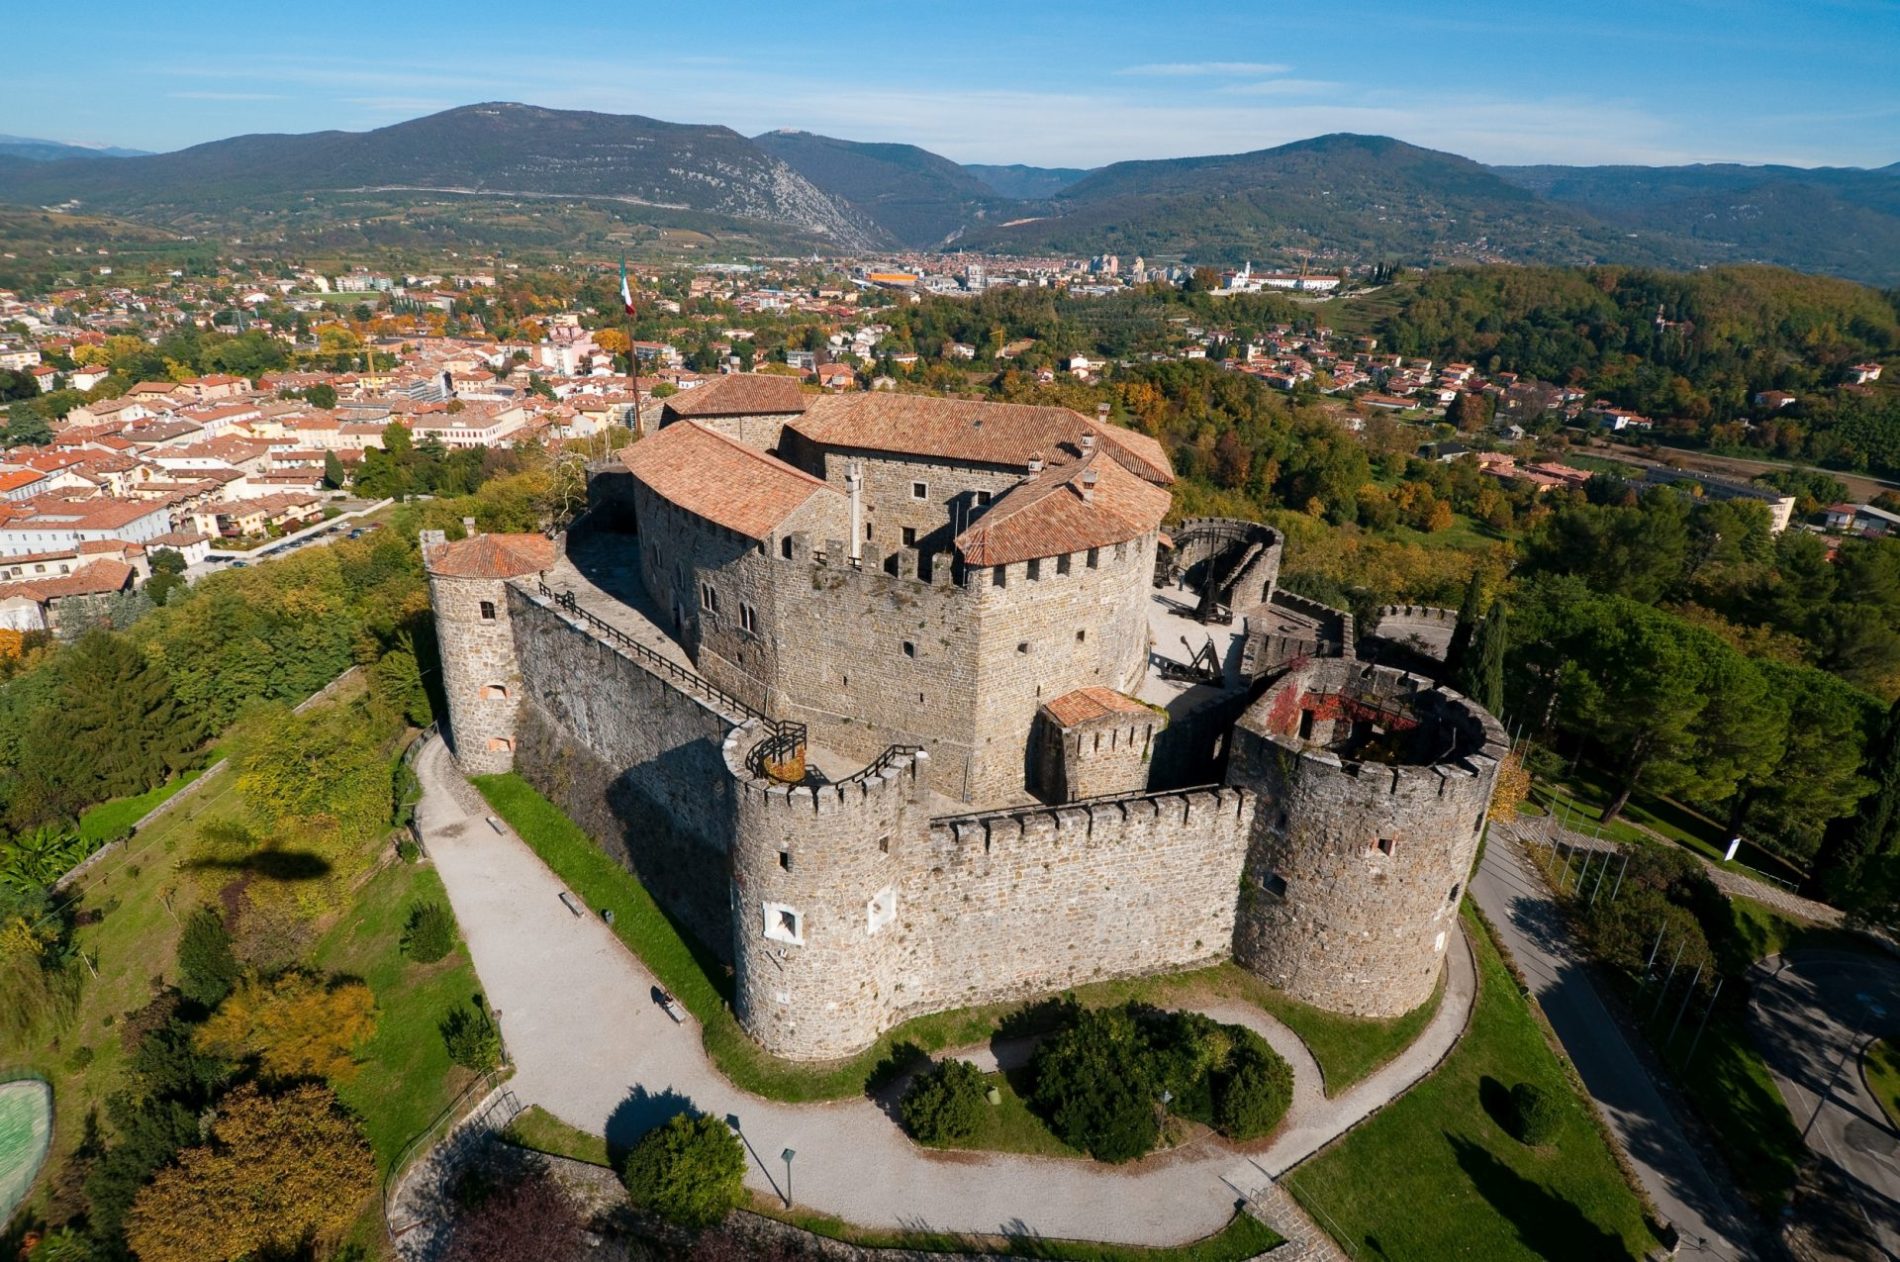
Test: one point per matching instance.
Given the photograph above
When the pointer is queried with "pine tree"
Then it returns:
(1850, 864)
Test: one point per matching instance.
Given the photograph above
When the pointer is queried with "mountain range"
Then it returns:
(38, 150)
(1344, 198)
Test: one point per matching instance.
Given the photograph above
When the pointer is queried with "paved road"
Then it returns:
(1699, 1202)
(591, 1047)
(1813, 1012)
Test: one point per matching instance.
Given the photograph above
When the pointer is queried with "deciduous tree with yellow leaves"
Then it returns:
(279, 1172)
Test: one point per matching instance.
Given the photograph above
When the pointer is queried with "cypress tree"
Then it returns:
(1480, 675)
(1470, 610)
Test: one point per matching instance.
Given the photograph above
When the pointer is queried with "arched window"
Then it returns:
(500, 745)
(494, 692)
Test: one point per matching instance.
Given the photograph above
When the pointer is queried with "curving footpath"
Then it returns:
(591, 1047)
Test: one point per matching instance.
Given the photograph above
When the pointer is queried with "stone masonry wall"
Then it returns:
(816, 902)
(1082, 619)
(633, 759)
(1355, 867)
(1012, 904)
(480, 675)
(1097, 757)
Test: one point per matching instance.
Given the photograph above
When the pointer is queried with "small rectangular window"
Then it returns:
(982, 498)
(1274, 884)
(1082, 635)
(1035, 570)
(488, 611)
(999, 577)
(910, 649)
(1095, 558)
(748, 618)
(785, 547)
(910, 536)
(1062, 564)
(785, 860)
(1385, 845)
(919, 491)
(884, 844)
(708, 598)
(1023, 647)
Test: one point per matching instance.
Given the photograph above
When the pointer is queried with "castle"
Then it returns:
(901, 704)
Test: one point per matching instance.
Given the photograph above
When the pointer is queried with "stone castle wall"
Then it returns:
(632, 758)
(817, 905)
(1354, 869)
(481, 676)
(1011, 904)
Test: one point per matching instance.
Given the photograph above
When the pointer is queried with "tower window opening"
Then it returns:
(1385, 845)
(910, 536)
(1082, 635)
(1095, 558)
(1062, 564)
(919, 491)
(999, 577)
(910, 649)
(1274, 884)
(488, 611)
(1035, 570)
(785, 860)
(785, 547)
(1306, 725)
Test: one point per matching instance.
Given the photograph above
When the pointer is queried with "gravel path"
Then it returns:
(592, 1048)
(1697, 1200)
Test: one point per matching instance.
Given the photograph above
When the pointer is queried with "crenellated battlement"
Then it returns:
(899, 770)
(1120, 819)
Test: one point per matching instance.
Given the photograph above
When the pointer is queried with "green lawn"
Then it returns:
(1347, 1048)
(1582, 794)
(101, 823)
(406, 1076)
(1243, 1238)
(1010, 1126)
(1881, 1067)
(536, 1128)
(1435, 1175)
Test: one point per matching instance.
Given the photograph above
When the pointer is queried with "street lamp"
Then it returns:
(788, 1154)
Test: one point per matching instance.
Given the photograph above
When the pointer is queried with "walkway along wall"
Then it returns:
(634, 760)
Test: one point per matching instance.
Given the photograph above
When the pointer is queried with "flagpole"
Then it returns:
(633, 357)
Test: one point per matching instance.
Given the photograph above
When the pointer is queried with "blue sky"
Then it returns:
(1810, 82)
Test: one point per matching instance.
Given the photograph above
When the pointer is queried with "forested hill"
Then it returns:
(1690, 349)
(497, 149)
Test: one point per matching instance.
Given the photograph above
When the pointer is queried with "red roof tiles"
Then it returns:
(492, 556)
(721, 479)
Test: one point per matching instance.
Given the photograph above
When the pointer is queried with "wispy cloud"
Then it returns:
(227, 96)
(1282, 87)
(1204, 69)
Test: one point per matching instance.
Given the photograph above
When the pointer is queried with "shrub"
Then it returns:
(690, 1171)
(429, 934)
(1535, 1114)
(206, 967)
(407, 850)
(81, 1057)
(1251, 1095)
(1093, 1085)
(473, 1039)
(945, 1103)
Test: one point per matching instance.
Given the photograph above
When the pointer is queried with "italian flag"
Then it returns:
(626, 294)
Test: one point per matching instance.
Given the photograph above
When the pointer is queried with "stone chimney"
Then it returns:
(468, 527)
(1035, 464)
(1088, 486)
(1088, 442)
(1101, 413)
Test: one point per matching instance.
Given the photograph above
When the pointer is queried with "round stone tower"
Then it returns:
(815, 881)
(1373, 790)
(468, 590)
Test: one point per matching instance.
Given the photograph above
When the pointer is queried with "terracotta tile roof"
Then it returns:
(964, 429)
(1047, 515)
(492, 556)
(739, 394)
(98, 578)
(1092, 702)
(720, 478)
